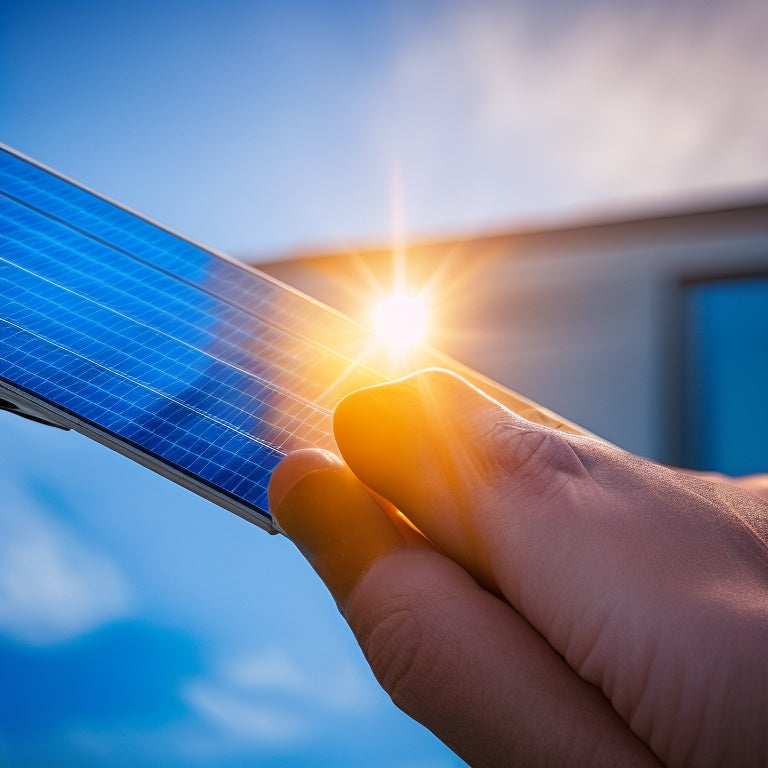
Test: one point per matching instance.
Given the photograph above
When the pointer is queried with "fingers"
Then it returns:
(469, 668)
(757, 484)
(450, 654)
(462, 468)
(416, 441)
(647, 582)
(351, 531)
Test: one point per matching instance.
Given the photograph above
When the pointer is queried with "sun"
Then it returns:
(400, 320)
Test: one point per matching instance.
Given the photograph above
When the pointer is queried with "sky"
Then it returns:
(261, 127)
(140, 624)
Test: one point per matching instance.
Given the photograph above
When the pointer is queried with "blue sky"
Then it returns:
(141, 625)
(260, 126)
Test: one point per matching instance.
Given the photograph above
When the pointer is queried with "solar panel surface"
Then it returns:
(199, 367)
(202, 365)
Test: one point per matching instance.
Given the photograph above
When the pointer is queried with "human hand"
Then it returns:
(757, 484)
(562, 602)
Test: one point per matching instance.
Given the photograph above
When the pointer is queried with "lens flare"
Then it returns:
(400, 320)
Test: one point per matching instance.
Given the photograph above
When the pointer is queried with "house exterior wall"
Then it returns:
(585, 320)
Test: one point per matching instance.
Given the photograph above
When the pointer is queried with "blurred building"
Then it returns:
(651, 331)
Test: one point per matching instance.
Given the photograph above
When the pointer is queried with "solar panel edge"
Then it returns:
(239, 264)
(39, 406)
(48, 413)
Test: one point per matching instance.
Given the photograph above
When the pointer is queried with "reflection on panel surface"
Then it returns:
(202, 368)
(206, 365)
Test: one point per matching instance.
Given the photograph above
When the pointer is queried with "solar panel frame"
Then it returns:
(222, 333)
(229, 280)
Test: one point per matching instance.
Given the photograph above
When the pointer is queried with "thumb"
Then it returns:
(446, 454)
(643, 579)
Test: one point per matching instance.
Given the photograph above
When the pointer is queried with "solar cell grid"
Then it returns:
(157, 346)
(86, 213)
(202, 369)
(140, 292)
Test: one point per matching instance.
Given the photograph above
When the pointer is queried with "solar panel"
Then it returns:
(202, 368)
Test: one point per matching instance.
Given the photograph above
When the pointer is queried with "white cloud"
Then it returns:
(506, 108)
(270, 669)
(269, 698)
(244, 718)
(241, 699)
(339, 686)
(345, 689)
(53, 586)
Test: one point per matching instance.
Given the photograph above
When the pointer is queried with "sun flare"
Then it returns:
(400, 320)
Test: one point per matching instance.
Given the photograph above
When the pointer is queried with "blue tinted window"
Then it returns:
(726, 375)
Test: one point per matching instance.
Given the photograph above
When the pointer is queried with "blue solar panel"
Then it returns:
(199, 367)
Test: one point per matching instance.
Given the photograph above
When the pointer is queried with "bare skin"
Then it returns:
(537, 598)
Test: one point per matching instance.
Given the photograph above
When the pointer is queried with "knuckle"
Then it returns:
(534, 460)
(397, 649)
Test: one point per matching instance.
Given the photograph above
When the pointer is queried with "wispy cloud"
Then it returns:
(503, 108)
(270, 669)
(339, 686)
(269, 698)
(247, 699)
(53, 585)
(244, 718)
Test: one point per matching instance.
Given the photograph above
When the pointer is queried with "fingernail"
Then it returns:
(338, 527)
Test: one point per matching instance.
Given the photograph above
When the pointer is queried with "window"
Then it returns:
(725, 375)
